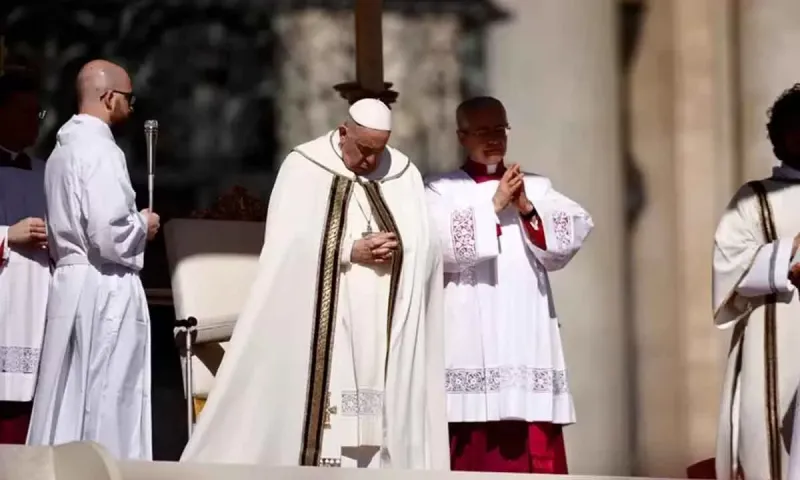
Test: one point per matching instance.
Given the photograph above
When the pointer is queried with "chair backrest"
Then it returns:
(213, 264)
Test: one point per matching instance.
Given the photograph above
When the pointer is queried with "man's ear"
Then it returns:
(108, 100)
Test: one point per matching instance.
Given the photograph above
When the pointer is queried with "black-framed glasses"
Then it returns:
(129, 96)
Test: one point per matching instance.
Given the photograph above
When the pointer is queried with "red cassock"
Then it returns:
(14, 420)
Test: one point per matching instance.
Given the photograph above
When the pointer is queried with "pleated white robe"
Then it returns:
(746, 269)
(323, 341)
(94, 382)
(24, 284)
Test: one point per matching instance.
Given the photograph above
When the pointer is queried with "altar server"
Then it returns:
(95, 372)
(337, 357)
(24, 264)
(754, 246)
(502, 232)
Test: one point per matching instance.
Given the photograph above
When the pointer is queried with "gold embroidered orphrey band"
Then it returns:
(324, 321)
(325, 309)
(770, 349)
(386, 223)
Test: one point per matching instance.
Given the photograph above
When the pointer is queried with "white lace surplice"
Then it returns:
(503, 346)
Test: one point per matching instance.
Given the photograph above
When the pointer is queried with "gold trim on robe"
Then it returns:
(324, 320)
(771, 393)
(387, 223)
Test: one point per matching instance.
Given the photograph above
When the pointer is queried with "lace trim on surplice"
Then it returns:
(496, 379)
(24, 360)
(561, 229)
(362, 402)
(465, 248)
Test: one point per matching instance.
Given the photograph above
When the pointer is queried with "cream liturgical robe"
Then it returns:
(333, 363)
(504, 357)
(752, 295)
(24, 278)
(94, 382)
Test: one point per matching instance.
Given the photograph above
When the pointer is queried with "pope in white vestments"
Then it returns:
(502, 232)
(337, 357)
(755, 244)
(95, 371)
(24, 263)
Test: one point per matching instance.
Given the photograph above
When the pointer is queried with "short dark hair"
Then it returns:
(784, 115)
(17, 80)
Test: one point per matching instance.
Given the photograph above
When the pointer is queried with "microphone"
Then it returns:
(151, 138)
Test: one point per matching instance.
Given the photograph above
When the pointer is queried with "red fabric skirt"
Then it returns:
(14, 420)
(508, 446)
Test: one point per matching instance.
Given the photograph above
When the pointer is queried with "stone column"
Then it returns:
(315, 51)
(682, 137)
(422, 62)
(555, 66)
(769, 32)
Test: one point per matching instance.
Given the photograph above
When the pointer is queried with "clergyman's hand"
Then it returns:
(507, 190)
(30, 232)
(521, 202)
(794, 275)
(795, 244)
(153, 223)
(374, 249)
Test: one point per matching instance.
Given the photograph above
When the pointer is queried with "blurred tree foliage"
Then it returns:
(202, 68)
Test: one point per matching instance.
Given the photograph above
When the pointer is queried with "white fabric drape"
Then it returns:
(745, 269)
(256, 411)
(94, 382)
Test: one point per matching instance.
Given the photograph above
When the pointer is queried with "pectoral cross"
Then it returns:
(368, 232)
(329, 410)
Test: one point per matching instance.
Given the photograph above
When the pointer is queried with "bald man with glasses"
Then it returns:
(94, 383)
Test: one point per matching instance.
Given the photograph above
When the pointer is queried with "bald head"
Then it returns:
(104, 91)
(98, 77)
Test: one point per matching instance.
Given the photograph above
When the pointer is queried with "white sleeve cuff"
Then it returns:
(346, 251)
(4, 250)
(769, 272)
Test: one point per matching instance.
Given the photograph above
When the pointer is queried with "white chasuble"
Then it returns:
(24, 278)
(504, 356)
(94, 381)
(333, 363)
(752, 294)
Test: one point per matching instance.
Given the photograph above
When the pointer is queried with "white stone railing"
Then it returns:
(89, 461)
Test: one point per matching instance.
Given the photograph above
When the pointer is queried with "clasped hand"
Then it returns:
(374, 249)
(29, 233)
(153, 222)
(511, 191)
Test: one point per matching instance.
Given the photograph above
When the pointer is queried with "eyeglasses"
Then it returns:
(495, 132)
(129, 96)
